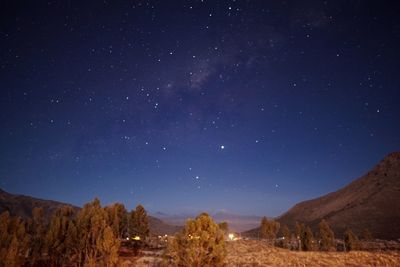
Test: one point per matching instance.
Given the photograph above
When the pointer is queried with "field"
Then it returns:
(255, 253)
(252, 253)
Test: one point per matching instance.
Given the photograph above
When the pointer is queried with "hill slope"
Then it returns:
(22, 206)
(370, 202)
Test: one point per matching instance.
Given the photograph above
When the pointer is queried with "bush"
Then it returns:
(200, 244)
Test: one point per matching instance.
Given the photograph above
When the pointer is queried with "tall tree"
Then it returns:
(59, 253)
(117, 219)
(306, 237)
(200, 244)
(287, 236)
(91, 225)
(5, 236)
(327, 237)
(268, 229)
(138, 223)
(37, 230)
(351, 241)
(17, 243)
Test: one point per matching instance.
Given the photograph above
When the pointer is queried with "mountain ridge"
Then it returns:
(370, 202)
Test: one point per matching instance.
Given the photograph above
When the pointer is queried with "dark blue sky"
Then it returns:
(243, 106)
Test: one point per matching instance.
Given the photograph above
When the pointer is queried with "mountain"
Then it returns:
(159, 227)
(22, 206)
(370, 202)
(236, 222)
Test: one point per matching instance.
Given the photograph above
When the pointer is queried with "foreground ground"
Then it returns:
(255, 253)
(246, 253)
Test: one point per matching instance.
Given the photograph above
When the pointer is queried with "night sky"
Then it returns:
(182, 106)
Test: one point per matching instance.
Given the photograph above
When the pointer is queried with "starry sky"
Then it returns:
(182, 106)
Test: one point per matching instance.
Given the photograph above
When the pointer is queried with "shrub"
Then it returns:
(200, 244)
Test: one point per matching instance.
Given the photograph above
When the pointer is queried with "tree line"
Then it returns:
(90, 237)
(303, 238)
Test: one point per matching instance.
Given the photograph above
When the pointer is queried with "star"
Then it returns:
(222, 147)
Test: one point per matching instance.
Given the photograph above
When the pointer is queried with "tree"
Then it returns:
(37, 230)
(15, 241)
(351, 241)
(117, 219)
(11, 258)
(5, 236)
(138, 223)
(268, 229)
(109, 247)
(94, 236)
(298, 229)
(201, 243)
(59, 250)
(326, 235)
(287, 236)
(306, 238)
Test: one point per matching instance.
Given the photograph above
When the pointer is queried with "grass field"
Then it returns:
(252, 253)
(255, 253)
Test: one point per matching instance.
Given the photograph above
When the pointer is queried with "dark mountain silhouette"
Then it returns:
(370, 202)
(22, 206)
(159, 227)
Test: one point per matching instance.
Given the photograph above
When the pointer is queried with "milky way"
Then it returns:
(244, 106)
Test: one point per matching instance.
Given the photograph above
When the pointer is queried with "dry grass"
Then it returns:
(246, 253)
(255, 253)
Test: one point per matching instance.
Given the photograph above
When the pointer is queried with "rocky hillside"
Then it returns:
(22, 206)
(370, 202)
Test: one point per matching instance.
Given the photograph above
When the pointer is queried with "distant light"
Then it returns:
(127, 238)
(222, 147)
(231, 236)
(136, 237)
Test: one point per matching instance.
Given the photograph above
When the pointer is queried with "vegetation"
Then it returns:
(258, 253)
(201, 243)
(287, 236)
(69, 238)
(305, 237)
(351, 241)
(138, 223)
(327, 237)
(268, 229)
(117, 219)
